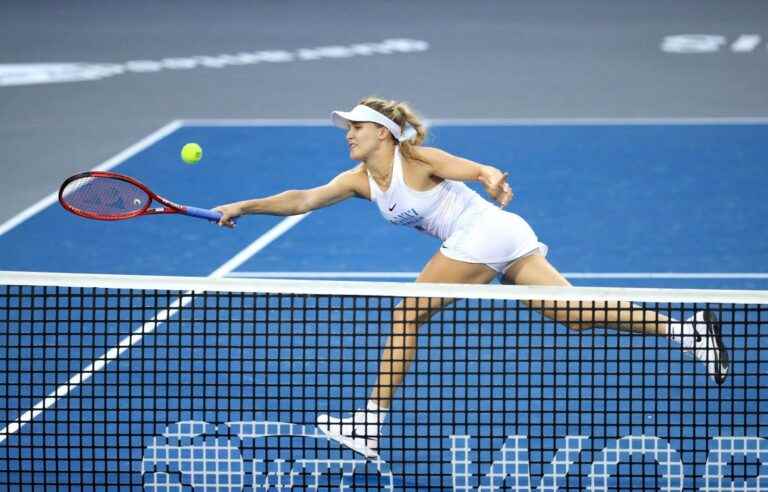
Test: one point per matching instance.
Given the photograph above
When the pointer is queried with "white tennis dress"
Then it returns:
(471, 228)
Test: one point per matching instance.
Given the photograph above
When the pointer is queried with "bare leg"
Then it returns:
(700, 335)
(536, 270)
(360, 431)
(400, 349)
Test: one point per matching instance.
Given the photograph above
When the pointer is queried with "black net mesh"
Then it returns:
(166, 390)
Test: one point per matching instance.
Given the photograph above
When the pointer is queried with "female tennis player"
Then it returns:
(423, 188)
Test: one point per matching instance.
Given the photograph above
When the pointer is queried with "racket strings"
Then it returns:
(105, 197)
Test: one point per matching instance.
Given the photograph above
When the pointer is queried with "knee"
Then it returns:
(573, 317)
(405, 328)
(579, 325)
(576, 319)
(408, 318)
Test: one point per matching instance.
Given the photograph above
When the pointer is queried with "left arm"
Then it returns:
(448, 166)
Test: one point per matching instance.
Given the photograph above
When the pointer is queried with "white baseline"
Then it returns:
(574, 275)
(662, 120)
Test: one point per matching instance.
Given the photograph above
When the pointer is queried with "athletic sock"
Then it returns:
(375, 415)
(683, 333)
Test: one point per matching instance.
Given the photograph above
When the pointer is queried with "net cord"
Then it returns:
(390, 289)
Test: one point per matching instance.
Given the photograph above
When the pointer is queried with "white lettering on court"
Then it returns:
(15, 74)
(709, 43)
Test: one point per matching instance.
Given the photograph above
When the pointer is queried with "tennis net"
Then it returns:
(172, 384)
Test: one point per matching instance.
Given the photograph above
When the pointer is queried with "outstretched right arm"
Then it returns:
(295, 202)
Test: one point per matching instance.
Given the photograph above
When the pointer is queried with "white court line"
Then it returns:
(713, 120)
(145, 329)
(579, 275)
(409, 275)
(134, 149)
(679, 275)
(257, 121)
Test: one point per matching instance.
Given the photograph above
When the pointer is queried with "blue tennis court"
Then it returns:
(664, 204)
(657, 198)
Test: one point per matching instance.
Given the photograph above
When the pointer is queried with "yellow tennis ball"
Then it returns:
(191, 153)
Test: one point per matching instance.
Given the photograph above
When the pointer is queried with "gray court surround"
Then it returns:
(480, 59)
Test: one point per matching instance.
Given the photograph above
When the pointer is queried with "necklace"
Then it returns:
(382, 181)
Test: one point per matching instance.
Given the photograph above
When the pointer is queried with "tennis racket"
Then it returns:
(103, 195)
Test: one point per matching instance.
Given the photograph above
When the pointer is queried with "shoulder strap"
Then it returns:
(397, 169)
(374, 188)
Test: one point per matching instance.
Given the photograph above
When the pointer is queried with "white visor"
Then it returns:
(362, 112)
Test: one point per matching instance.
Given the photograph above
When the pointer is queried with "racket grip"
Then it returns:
(203, 213)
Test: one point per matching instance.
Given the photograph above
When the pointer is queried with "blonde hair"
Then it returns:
(402, 114)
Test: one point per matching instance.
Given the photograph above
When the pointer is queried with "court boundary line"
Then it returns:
(110, 163)
(320, 122)
(576, 275)
(146, 328)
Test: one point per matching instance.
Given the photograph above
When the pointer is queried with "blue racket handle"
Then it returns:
(203, 213)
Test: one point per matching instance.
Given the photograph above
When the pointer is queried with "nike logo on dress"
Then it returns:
(392, 207)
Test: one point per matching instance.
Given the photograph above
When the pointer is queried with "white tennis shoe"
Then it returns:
(360, 432)
(708, 345)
